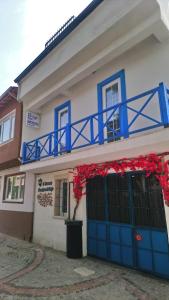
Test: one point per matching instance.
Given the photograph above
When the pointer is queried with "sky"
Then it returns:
(25, 27)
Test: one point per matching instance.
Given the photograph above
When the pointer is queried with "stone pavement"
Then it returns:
(29, 271)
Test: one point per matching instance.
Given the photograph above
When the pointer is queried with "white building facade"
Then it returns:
(99, 93)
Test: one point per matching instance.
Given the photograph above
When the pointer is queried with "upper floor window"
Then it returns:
(7, 128)
(111, 97)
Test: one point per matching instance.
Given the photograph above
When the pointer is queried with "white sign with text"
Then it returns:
(32, 119)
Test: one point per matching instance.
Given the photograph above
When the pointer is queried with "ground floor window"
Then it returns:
(61, 195)
(14, 188)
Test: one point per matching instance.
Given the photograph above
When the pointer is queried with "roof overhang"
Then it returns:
(9, 95)
(112, 29)
(82, 16)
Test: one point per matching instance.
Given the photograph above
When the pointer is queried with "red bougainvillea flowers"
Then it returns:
(151, 164)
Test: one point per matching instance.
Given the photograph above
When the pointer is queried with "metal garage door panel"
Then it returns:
(160, 241)
(145, 238)
(121, 248)
(115, 253)
(145, 260)
(91, 229)
(126, 235)
(92, 246)
(127, 256)
(101, 250)
(126, 222)
(101, 231)
(114, 234)
(161, 264)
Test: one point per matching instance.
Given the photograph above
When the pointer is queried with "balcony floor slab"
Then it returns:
(154, 142)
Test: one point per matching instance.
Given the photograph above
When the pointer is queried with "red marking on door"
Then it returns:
(138, 237)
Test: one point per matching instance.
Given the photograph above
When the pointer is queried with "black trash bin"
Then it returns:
(74, 239)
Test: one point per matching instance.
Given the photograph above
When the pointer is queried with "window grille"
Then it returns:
(61, 198)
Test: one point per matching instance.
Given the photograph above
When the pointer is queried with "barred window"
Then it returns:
(14, 188)
(61, 195)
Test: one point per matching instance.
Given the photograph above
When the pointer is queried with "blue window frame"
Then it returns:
(61, 121)
(116, 119)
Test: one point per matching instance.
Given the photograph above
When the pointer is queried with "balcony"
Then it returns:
(144, 112)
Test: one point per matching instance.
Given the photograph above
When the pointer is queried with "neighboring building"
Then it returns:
(94, 95)
(16, 206)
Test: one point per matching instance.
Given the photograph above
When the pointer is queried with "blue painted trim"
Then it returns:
(123, 109)
(80, 133)
(50, 144)
(104, 242)
(92, 139)
(111, 78)
(44, 146)
(24, 153)
(68, 137)
(141, 109)
(100, 116)
(145, 128)
(143, 115)
(68, 127)
(78, 20)
(37, 152)
(57, 109)
(142, 94)
(164, 105)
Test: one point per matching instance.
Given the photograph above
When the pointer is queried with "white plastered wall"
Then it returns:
(145, 66)
(50, 230)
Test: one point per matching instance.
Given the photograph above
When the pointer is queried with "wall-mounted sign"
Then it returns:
(32, 119)
(45, 192)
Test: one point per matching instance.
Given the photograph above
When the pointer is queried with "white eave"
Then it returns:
(99, 39)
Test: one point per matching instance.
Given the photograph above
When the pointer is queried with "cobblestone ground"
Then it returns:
(28, 271)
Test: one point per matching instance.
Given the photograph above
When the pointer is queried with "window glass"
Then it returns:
(63, 121)
(63, 118)
(112, 117)
(112, 95)
(22, 186)
(12, 126)
(61, 195)
(7, 128)
(14, 188)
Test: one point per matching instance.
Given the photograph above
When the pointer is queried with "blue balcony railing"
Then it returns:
(143, 112)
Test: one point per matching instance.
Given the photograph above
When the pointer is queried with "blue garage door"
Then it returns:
(126, 222)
